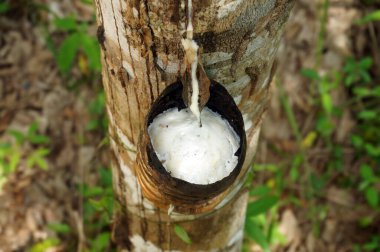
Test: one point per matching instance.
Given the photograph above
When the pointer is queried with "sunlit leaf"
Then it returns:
(182, 234)
(367, 114)
(14, 161)
(373, 16)
(261, 205)
(255, 233)
(259, 191)
(61, 228)
(44, 245)
(65, 23)
(327, 103)
(18, 136)
(309, 139)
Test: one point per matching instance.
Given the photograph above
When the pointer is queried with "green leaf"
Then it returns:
(92, 191)
(91, 49)
(255, 233)
(350, 79)
(18, 136)
(68, 51)
(297, 161)
(367, 115)
(59, 228)
(106, 177)
(372, 196)
(41, 162)
(97, 105)
(261, 205)
(14, 161)
(372, 150)
(357, 141)
(376, 92)
(366, 63)
(364, 184)
(373, 16)
(97, 204)
(317, 182)
(366, 172)
(66, 23)
(324, 126)
(33, 128)
(362, 92)
(92, 125)
(327, 103)
(101, 241)
(39, 139)
(182, 234)
(310, 74)
(365, 76)
(37, 158)
(259, 191)
(44, 245)
(4, 7)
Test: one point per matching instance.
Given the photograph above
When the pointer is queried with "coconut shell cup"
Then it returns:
(158, 185)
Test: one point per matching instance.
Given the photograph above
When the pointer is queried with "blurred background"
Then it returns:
(315, 182)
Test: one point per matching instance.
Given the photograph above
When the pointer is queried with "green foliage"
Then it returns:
(11, 154)
(262, 210)
(365, 139)
(101, 242)
(98, 207)
(59, 228)
(373, 16)
(45, 245)
(4, 7)
(373, 244)
(77, 41)
(254, 232)
(357, 71)
(37, 158)
(182, 234)
(97, 111)
(31, 136)
(369, 180)
(261, 205)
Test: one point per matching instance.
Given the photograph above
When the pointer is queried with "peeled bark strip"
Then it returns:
(142, 54)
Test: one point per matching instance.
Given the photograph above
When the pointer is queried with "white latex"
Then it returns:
(199, 155)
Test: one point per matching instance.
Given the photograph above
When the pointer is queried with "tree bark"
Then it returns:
(141, 55)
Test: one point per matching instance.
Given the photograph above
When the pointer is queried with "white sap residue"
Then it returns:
(191, 50)
(199, 155)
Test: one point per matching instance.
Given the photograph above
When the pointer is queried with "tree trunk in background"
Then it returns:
(142, 54)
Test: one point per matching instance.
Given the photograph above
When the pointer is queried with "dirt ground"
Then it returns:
(33, 90)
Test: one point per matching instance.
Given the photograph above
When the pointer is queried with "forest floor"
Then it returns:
(53, 145)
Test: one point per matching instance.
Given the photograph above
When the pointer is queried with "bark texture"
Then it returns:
(142, 54)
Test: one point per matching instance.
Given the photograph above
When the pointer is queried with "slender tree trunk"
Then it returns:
(142, 54)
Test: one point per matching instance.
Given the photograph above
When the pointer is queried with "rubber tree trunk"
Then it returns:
(141, 55)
